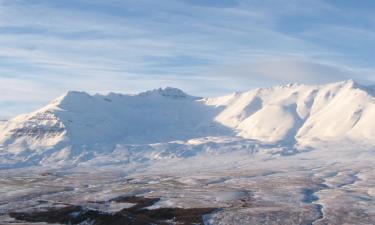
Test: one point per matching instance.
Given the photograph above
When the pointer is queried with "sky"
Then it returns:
(205, 47)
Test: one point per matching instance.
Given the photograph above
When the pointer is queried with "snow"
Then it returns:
(77, 127)
(247, 187)
(256, 155)
(301, 114)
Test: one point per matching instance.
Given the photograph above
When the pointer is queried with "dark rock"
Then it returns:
(135, 215)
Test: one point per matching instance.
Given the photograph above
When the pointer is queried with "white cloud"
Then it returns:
(49, 47)
(289, 70)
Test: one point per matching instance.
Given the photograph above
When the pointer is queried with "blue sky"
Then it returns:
(205, 47)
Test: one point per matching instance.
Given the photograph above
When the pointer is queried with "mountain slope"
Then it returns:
(79, 126)
(80, 119)
(300, 113)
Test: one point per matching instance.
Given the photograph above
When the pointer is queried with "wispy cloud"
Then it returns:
(48, 47)
(284, 70)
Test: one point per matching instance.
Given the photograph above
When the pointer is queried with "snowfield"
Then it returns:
(292, 154)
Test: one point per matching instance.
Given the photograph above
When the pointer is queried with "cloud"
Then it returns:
(214, 3)
(49, 47)
(284, 70)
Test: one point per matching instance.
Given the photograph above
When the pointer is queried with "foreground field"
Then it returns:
(326, 185)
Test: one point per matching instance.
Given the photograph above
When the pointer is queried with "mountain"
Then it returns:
(301, 114)
(292, 115)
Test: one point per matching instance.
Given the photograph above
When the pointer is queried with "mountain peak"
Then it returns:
(75, 93)
(168, 92)
(350, 83)
(71, 97)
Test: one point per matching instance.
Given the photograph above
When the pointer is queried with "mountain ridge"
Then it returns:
(293, 115)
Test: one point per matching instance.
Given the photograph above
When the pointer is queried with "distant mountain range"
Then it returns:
(291, 115)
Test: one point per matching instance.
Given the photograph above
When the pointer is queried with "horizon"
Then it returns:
(50, 47)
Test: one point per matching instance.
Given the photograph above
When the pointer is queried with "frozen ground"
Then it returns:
(252, 185)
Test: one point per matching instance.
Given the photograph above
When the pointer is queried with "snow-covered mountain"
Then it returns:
(301, 114)
(290, 115)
